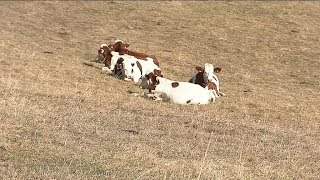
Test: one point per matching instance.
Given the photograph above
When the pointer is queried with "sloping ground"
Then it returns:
(64, 120)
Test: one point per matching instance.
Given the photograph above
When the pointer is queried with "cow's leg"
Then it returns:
(106, 70)
(193, 79)
(154, 96)
(222, 94)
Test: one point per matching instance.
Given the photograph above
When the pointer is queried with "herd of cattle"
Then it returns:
(144, 70)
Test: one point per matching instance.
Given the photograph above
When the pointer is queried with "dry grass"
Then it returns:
(60, 119)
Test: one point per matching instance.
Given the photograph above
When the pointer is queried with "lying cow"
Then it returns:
(135, 65)
(113, 53)
(206, 77)
(128, 67)
(183, 92)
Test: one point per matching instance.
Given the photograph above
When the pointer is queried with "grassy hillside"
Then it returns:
(60, 119)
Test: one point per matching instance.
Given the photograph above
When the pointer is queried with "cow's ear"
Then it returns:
(111, 47)
(217, 69)
(199, 68)
(126, 45)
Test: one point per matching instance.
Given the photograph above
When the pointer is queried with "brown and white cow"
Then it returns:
(183, 92)
(118, 55)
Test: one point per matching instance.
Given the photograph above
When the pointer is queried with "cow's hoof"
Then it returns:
(157, 99)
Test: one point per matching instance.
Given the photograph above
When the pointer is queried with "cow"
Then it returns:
(129, 67)
(183, 92)
(126, 65)
(134, 65)
(206, 77)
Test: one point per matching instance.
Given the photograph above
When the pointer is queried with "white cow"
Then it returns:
(183, 92)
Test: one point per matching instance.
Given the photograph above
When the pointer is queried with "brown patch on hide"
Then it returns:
(175, 84)
(123, 49)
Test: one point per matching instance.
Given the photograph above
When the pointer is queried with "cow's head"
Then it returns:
(206, 77)
(152, 79)
(99, 57)
(210, 68)
(105, 52)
